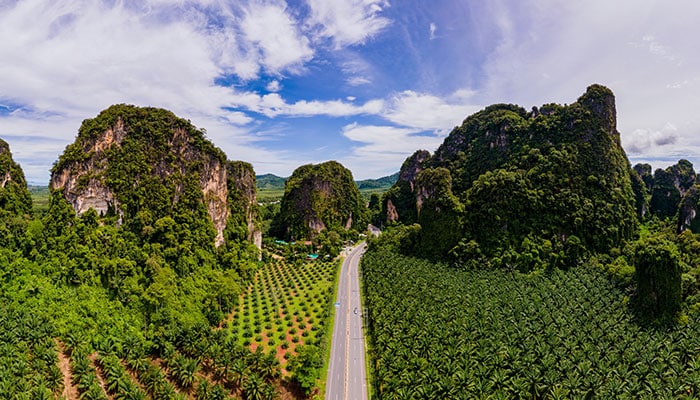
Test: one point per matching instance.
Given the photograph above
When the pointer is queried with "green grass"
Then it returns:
(40, 198)
(286, 306)
(267, 196)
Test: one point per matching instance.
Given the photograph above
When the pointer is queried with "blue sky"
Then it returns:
(365, 82)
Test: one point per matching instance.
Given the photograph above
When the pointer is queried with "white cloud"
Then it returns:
(357, 70)
(100, 57)
(358, 81)
(68, 60)
(429, 112)
(551, 51)
(642, 141)
(272, 105)
(432, 28)
(275, 33)
(384, 148)
(274, 86)
(348, 22)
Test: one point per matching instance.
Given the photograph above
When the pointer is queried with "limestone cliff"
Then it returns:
(400, 200)
(319, 197)
(507, 178)
(689, 210)
(142, 164)
(244, 221)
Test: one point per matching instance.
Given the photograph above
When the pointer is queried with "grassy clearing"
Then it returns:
(40, 198)
(268, 196)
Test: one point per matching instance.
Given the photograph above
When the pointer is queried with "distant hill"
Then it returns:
(270, 182)
(274, 182)
(380, 183)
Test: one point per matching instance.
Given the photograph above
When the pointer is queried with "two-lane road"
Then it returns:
(346, 370)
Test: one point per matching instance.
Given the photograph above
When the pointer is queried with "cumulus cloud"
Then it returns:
(274, 86)
(550, 51)
(429, 112)
(273, 105)
(348, 22)
(275, 33)
(383, 149)
(642, 141)
(102, 55)
(68, 60)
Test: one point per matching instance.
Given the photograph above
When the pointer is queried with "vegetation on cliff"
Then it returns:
(522, 189)
(15, 199)
(669, 193)
(124, 264)
(552, 188)
(318, 198)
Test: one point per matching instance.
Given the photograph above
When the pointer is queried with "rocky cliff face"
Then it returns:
(400, 202)
(320, 197)
(131, 161)
(689, 210)
(81, 180)
(669, 192)
(243, 200)
(507, 178)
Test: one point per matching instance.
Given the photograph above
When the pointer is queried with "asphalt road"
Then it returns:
(346, 370)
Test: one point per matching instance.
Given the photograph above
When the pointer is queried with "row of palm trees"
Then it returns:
(28, 358)
(441, 333)
(224, 370)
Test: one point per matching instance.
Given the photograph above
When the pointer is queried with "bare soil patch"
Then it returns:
(70, 391)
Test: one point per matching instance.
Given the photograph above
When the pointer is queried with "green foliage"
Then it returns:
(28, 361)
(329, 244)
(511, 181)
(667, 187)
(375, 210)
(317, 196)
(437, 332)
(404, 239)
(665, 196)
(688, 218)
(644, 172)
(305, 367)
(126, 288)
(658, 278)
(15, 200)
(290, 301)
(641, 194)
(439, 214)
